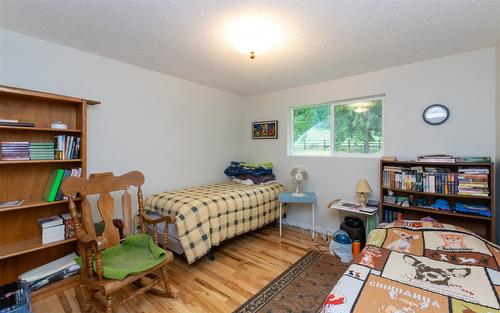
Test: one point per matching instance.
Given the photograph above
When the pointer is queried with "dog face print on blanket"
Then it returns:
(404, 240)
(469, 283)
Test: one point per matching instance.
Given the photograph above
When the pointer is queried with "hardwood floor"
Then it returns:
(242, 266)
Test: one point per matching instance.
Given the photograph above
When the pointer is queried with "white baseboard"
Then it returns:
(319, 229)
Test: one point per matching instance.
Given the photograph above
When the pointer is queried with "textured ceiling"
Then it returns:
(323, 39)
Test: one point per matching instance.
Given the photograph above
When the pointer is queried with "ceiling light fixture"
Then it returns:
(362, 107)
(253, 35)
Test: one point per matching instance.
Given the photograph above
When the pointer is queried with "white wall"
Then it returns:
(465, 83)
(176, 132)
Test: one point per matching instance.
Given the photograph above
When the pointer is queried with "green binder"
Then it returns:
(52, 186)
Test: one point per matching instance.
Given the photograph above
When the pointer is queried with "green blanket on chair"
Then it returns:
(136, 254)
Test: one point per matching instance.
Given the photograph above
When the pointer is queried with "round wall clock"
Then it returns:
(436, 114)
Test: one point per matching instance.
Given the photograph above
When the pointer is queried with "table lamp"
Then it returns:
(362, 189)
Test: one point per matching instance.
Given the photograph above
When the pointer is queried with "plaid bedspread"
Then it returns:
(207, 215)
(420, 267)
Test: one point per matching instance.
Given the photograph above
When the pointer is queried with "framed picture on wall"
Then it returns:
(265, 130)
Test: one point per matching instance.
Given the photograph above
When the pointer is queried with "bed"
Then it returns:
(208, 215)
(414, 266)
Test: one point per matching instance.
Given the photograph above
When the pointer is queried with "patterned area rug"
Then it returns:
(301, 288)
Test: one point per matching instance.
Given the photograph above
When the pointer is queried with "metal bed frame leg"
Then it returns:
(211, 254)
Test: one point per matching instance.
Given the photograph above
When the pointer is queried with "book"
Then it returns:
(369, 209)
(50, 221)
(69, 225)
(17, 124)
(48, 269)
(6, 120)
(474, 159)
(13, 203)
(46, 240)
(52, 229)
(52, 186)
(59, 196)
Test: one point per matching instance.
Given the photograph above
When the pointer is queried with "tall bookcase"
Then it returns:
(481, 225)
(20, 237)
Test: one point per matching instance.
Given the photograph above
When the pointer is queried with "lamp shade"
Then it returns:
(363, 186)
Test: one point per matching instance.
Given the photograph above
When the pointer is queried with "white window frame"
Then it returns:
(332, 152)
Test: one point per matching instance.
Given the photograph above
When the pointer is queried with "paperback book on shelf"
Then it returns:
(67, 147)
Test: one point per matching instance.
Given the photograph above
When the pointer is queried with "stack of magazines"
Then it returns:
(436, 158)
(51, 272)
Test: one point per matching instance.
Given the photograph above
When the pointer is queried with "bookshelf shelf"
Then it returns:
(435, 164)
(20, 243)
(26, 246)
(39, 129)
(418, 209)
(6, 162)
(55, 288)
(481, 225)
(439, 195)
(33, 203)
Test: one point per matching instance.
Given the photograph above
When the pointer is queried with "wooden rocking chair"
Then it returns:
(90, 247)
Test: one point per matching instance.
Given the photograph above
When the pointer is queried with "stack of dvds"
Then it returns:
(15, 150)
(42, 151)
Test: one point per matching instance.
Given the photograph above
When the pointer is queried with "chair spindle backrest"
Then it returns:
(103, 184)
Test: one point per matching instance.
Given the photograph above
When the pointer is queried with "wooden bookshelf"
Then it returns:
(39, 161)
(21, 248)
(39, 129)
(482, 225)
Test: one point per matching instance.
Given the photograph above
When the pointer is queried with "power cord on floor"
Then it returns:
(322, 246)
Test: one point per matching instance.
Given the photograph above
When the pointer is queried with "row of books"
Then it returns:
(67, 147)
(445, 158)
(56, 228)
(391, 216)
(62, 148)
(467, 181)
(52, 191)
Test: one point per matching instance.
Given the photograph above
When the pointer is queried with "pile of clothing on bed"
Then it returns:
(251, 173)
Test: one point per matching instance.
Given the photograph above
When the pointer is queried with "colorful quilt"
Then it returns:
(207, 215)
(420, 267)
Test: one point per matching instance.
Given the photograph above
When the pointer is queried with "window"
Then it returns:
(342, 128)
